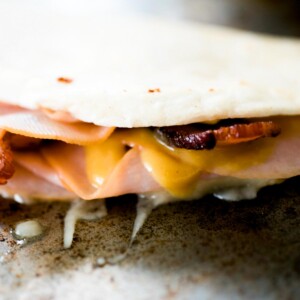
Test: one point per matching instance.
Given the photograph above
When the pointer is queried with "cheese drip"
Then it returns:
(28, 229)
(82, 210)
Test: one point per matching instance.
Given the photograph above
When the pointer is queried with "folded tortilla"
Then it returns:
(96, 87)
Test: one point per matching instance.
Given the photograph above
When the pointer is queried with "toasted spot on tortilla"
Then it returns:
(157, 90)
(64, 80)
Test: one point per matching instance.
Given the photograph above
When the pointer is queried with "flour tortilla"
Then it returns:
(202, 72)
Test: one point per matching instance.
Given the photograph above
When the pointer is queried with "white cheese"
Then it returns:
(82, 210)
(225, 188)
(248, 190)
(146, 203)
(28, 229)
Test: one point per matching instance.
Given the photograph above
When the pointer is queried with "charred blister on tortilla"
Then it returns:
(201, 136)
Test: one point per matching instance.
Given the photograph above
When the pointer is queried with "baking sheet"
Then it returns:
(205, 249)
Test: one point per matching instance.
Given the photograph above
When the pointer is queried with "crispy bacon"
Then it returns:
(6, 162)
(187, 137)
(203, 136)
(240, 133)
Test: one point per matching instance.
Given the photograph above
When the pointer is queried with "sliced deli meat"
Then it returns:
(37, 124)
(25, 187)
(34, 162)
(127, 176)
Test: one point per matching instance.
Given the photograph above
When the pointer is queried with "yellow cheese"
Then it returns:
(177, 170)
(166, 167)
(101, 158)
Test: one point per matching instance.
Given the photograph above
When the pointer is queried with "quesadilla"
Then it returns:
(100, 107)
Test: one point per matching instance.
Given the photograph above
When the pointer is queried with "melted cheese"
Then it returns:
(176, 170)
(167, 169)
(82, 210)
(28, 229)
(242, 189)
(101, 159)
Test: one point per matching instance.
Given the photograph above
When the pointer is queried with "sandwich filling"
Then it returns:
(51, 155)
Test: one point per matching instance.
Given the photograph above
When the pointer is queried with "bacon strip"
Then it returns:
(6, 162)
(187, 137)
(240, 133)
(203, 136)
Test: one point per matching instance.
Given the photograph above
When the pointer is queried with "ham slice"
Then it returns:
(6, 109)
(26, 186)
(65, 171)
(66, 168)
(128, 176)
(284, 162)
(34, 162)
(270, 158)
(34, 123)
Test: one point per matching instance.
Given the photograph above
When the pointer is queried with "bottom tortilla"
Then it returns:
(202, 249)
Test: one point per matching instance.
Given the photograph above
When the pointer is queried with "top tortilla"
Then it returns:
(202, 72)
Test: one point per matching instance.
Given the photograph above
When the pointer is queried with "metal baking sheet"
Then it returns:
(205, 249)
